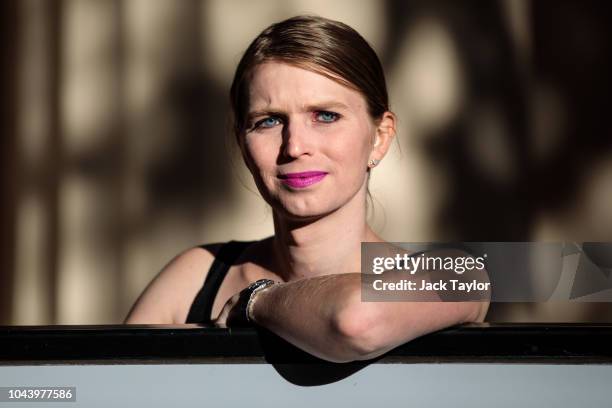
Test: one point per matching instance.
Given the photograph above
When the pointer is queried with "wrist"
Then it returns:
(256, 290)
(255, 305)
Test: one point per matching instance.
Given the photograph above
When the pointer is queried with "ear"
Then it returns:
(385, 132)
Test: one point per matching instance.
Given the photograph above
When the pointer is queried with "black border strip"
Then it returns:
(184, 344)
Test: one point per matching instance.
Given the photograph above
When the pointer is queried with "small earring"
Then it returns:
(373, 163)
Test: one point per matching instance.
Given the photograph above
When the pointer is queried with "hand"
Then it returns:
(233, 312)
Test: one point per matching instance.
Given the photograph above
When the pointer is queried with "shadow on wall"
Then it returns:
(482, 148)
(141, 167)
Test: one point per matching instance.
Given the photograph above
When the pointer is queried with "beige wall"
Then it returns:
(122, 153)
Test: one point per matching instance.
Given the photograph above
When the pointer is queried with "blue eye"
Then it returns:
(326, 117)
(268, 122)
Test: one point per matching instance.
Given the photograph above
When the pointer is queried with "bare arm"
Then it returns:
(326, 317)
(166, 300)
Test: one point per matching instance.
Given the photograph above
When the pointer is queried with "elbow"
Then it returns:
(357, 329)
(478, 312)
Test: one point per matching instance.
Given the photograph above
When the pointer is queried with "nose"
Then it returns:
(297, 140)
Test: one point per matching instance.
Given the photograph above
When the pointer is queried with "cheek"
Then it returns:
(262, 152)
(352, 147)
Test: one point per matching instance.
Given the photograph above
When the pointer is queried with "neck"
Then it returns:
(329, 245)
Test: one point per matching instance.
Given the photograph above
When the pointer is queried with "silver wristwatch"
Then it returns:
(251, 290)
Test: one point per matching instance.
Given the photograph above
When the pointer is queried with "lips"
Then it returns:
(303, 179)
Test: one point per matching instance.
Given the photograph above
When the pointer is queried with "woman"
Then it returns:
(312, 120)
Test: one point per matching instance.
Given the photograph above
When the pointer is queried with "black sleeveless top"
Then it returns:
(201, 308)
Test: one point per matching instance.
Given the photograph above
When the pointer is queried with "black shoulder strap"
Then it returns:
(201, 309)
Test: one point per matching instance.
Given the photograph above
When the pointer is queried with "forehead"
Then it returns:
(280, 85)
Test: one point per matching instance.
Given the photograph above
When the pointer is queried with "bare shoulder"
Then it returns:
(170, 293)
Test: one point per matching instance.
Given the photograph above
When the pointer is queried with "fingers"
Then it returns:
(219, 323)
(225, 314)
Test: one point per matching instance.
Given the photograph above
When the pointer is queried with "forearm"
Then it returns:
(326, 317)
(309, 313)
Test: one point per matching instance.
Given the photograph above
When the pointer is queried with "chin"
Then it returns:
(298, 210)
(300, 213)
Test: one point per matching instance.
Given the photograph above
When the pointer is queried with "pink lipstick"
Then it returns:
(302, 179)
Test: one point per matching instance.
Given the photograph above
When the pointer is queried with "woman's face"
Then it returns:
(308, 140)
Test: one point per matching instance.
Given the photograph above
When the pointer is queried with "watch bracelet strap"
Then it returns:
(262, 284)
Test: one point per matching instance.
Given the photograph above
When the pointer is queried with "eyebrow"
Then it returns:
(319, 106)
